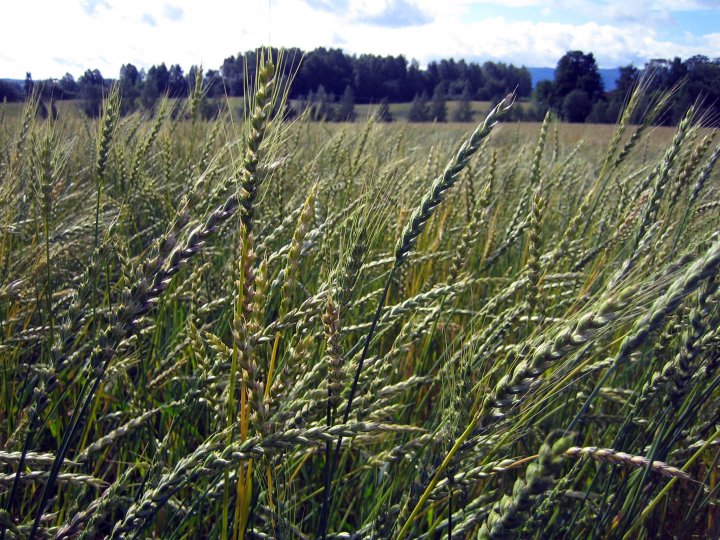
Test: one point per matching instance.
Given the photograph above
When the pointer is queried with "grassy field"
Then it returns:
(303, 330)
(72, 108)
(400, 111)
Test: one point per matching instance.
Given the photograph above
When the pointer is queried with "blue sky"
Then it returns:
(51, 37)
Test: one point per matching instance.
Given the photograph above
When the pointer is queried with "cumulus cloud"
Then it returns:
(148, 19)
(397, 14)
(173, 13)
(524, 42)
(627, 12)
(337, 6)
(387, 13)
(90, 6)
(67, 63)
(712, 41)
(506, 3)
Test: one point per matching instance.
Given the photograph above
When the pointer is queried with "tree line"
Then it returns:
(330, 82)
(577, 94)
(321, 78)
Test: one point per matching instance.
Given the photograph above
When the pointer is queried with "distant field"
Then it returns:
(590, 135)
(65, 108)
(398, 110)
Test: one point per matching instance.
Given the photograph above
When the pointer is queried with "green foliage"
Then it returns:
(463, 111)
(383, 114)
(598, 114)
(543, 93)
(419, 109)
(577, 71)
(130, 85)
(69, 88)
(438, 105)
(92, 92)
(346, 106)
(576, 106)
(29, 85)
(326, 78)
(10, 92)
(320, 105)
(188, 307)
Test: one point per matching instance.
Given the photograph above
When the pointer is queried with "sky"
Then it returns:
(52, 37)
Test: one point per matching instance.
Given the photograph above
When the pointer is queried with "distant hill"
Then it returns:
(609, 76)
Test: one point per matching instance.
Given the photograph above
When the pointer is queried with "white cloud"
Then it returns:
(74, 35)
(174, 13)
(114, 32)
(594, 5)
(655, 12)
(148, 19)
(505, 3)
(89, 6)
(533, 44)
(712, 42)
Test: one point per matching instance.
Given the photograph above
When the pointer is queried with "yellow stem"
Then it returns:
(431, 486)
(649, 508)
(271, 367)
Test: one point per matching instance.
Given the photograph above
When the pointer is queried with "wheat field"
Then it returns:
(283, 329)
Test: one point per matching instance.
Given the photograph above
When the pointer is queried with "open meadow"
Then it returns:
(272, 329)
